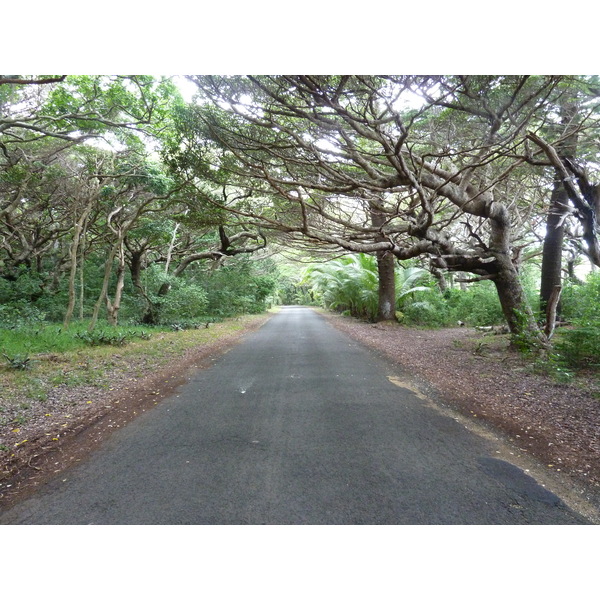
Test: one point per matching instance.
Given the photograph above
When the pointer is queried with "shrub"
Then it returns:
(20, 362)
(477, 306)
(580, 347)
(183, 302)
(581, 302)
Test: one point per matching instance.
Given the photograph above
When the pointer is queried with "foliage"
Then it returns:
(185, 301)
(475, 306)
(579, 344)
(242, 286)
(552, 364)
(580, 347)
(110, 338)
(13, 316)
(20, 362)
(93, 225)
(350, 284)
(412, 298)
(581, 302)
(39, 339)
(347, 284)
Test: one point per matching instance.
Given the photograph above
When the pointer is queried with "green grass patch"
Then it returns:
(59, 358)
(37, 339)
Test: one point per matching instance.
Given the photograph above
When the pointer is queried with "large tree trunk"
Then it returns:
(515, 307)
(498, 267)
(559, 206)
(386, 263)
(386, 266)
(151, 314)
(553, 244)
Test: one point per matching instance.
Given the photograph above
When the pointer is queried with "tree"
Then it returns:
(567, 140)
(77, 186)
(320, 149)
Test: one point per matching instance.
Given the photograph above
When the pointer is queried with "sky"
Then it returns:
(261, 37)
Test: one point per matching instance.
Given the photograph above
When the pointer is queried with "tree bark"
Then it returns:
(113, 307)
(551, 275)
(107, 272)
(551, 311)
(517, 312)
(73, 257)
(441, 280)
(386, 267)
(151, 316)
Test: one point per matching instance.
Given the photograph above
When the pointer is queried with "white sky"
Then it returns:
(314, 37)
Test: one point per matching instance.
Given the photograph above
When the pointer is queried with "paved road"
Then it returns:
(298, 424)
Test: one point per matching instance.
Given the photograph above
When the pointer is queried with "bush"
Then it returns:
(15, 343)
(476, 306)
(16, 316)
(581, 302)
(184, 302)
(242, 286)
(580, 347)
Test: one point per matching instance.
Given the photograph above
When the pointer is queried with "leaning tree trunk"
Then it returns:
(499, 268)
(103, 292)
(515, 307)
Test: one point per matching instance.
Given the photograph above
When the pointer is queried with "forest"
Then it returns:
(435, 201)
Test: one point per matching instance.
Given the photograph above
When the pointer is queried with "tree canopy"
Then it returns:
(468, 174)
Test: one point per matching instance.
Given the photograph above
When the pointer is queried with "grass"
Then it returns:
(49, 338)
(64, 358)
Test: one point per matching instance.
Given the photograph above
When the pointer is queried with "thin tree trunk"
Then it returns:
(81, 280)
(82, 271)
(551, 275)
(107, 272)
(551, 311)
(172, 246)
(73, 252)
(441, 280)
(113, 307)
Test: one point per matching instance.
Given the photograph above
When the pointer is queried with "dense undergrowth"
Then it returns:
(349, 286)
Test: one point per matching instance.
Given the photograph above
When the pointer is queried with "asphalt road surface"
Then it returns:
(298, 424)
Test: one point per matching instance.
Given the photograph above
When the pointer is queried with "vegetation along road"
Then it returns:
(298, 424)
